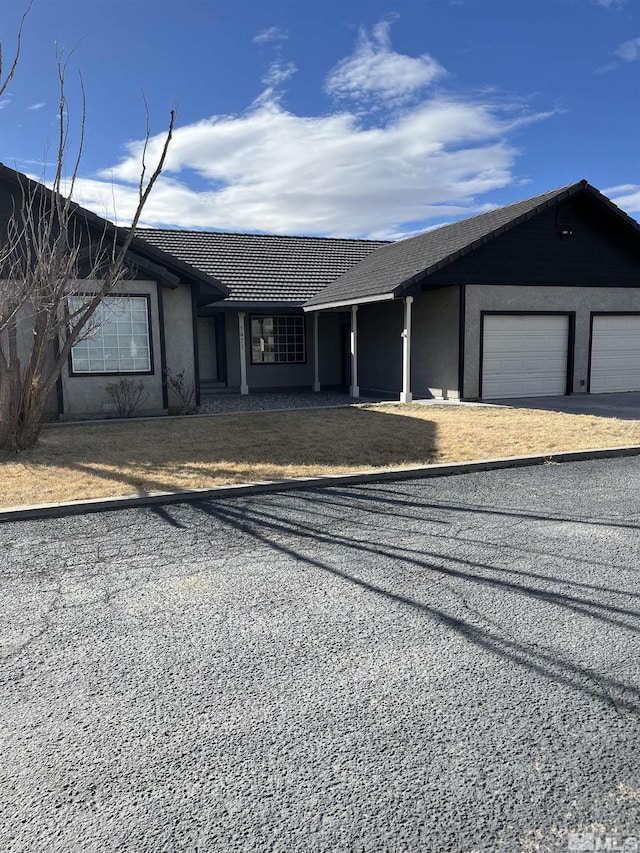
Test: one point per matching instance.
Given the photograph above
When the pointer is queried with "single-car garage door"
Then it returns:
(615, 353)
(524, 355)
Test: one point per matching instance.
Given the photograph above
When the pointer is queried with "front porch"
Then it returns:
(288, 350)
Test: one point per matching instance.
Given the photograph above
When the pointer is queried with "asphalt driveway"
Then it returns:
(442, 665)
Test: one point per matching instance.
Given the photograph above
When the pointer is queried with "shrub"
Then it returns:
(184, 390)
(127, 395)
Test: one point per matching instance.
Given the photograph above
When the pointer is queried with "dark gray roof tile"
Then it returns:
(264, 268)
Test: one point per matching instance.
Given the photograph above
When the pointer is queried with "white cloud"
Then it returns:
(609, 4)
(340, 174)
(4, 103)
(278, 73)
(270, 170)
(626, 196)
(604, 69)
(629, 51)
(375, 69)
(271, 34)
(37, 106)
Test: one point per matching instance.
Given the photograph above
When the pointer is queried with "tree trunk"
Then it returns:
(5, 405)
(22, 403)
(10, 407)
(30, 426)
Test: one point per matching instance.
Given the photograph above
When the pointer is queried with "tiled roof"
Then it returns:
(396, 266)
(264, 268)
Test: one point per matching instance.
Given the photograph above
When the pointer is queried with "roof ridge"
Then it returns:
(577, 185)
(269, 236)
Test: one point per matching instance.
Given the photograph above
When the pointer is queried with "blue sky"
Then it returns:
(375, 118)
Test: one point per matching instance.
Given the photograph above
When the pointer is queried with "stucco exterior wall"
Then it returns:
(380, 327)
(508, 298)
(434, 343)
(331, 351)
(85, 395)
(232, 350)
(178, 315)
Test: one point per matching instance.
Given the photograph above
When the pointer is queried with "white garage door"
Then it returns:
(524, 356)
(615, 354)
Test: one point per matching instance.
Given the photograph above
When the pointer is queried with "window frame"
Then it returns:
(299, 318)
(150, 372)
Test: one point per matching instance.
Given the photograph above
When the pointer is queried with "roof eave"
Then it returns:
(611, 206)
(258, 305)
(342, 303)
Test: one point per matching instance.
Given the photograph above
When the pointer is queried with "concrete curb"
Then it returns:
(447, 469)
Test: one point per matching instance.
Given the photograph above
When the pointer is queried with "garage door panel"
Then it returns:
(524, 356)
(615, 353)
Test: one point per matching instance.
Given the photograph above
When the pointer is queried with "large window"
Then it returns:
(118, 340)
(277, 340)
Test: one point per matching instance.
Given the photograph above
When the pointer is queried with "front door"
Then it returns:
(207, 349)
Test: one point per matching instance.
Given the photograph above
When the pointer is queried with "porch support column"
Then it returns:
(244, 388)
(405, 394)
(354, 390)
(316, 360)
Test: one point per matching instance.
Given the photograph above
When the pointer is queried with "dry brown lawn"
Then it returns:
(99, 460)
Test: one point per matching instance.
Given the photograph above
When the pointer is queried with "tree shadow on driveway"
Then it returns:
(270, 525)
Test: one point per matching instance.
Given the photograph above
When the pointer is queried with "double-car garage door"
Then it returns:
(528, 355)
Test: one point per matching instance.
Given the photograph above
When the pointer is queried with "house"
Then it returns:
(540, 297)
(149, 324)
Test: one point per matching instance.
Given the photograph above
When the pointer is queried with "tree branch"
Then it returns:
(14, 65)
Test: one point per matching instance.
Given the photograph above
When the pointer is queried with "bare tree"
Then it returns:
(57, 264)
(4, 81)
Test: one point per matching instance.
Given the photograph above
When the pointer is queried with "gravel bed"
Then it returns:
(216, 404)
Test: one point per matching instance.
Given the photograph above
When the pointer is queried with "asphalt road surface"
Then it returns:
(440, 665)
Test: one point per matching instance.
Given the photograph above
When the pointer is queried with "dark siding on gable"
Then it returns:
(598, 252)
(6, 210)
(13, 206)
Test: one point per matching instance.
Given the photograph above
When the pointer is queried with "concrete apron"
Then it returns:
(623, 405)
